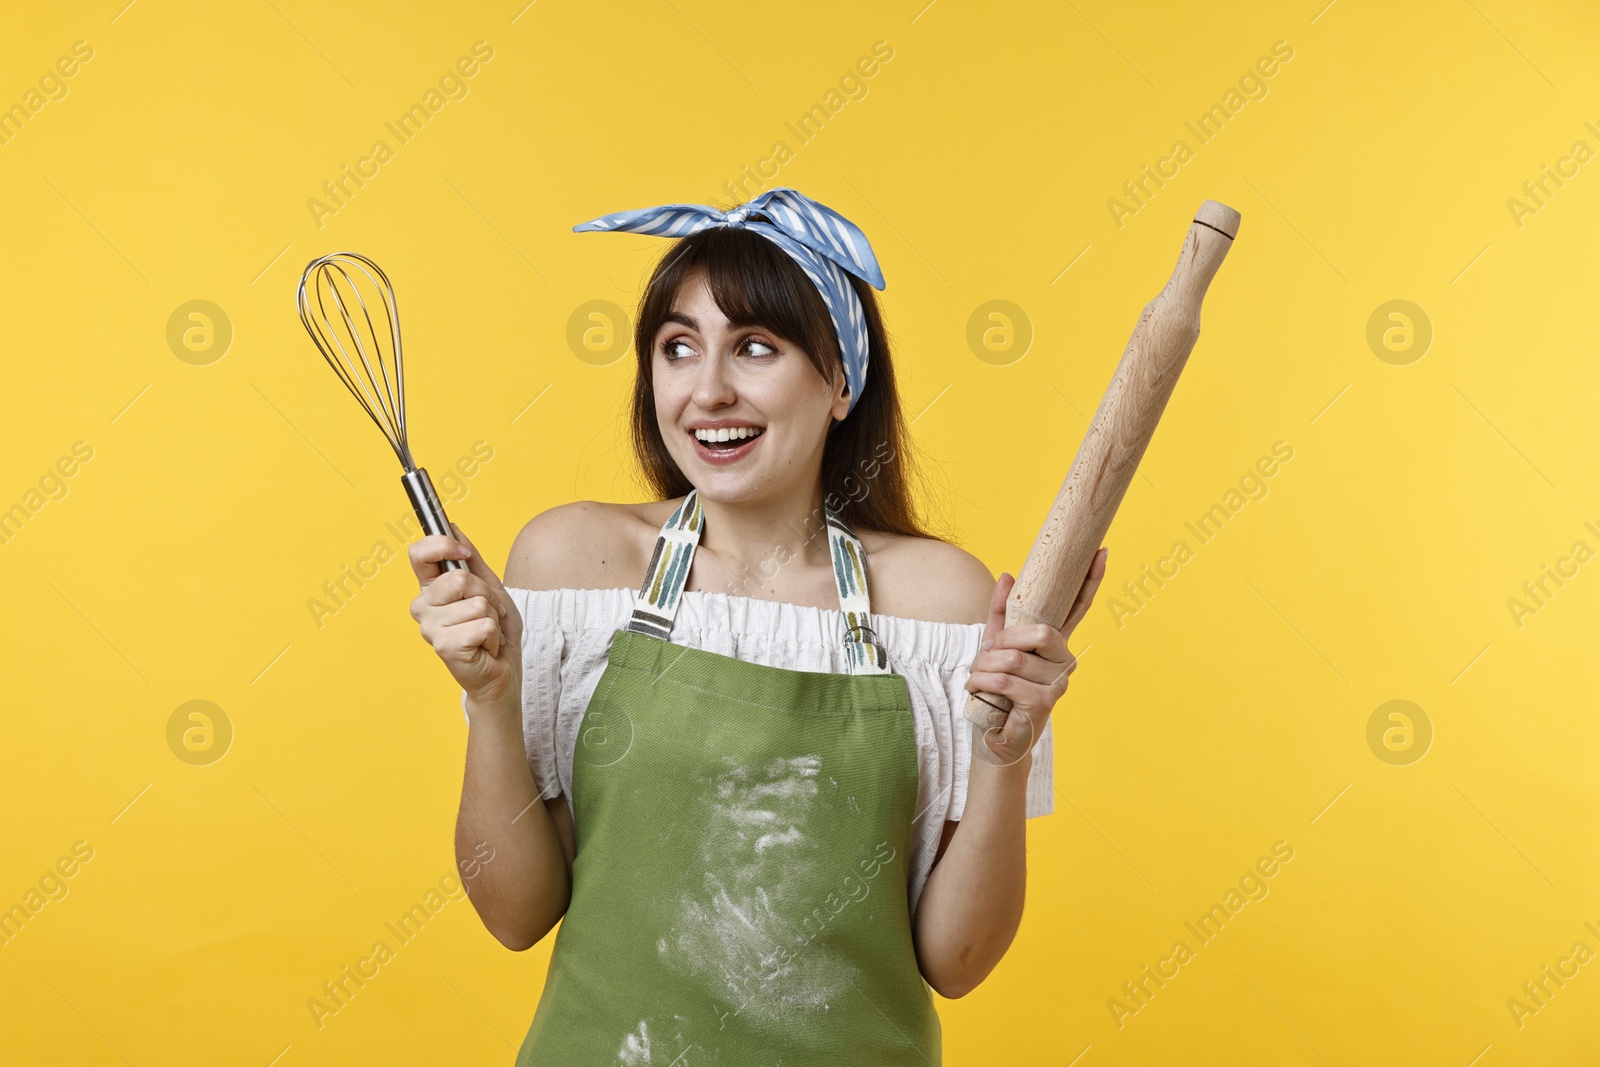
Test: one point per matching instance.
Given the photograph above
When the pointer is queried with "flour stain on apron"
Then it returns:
(733, 931)
(635, 1050)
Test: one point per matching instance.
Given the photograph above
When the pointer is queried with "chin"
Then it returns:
(725, 486)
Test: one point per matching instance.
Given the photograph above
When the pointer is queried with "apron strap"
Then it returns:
(656, 604)
(866, 654)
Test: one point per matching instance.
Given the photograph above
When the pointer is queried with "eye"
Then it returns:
(759, 348)
(668, 349)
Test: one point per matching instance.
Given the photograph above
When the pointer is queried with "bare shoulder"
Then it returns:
(925, 578)
(586, 544)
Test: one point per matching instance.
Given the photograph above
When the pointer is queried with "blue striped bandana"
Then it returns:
(822, 241)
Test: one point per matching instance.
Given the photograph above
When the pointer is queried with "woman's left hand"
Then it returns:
(1028, 664)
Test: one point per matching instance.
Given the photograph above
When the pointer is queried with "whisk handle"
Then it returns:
(430, 513)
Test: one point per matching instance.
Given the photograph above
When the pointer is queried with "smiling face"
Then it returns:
(742, 411)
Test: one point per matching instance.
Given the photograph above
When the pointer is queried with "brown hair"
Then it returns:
(867, 465)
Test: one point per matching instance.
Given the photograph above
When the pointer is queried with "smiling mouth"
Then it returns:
(725, 440)
(732, 449)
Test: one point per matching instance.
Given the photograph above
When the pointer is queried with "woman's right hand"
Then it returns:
(468, 618)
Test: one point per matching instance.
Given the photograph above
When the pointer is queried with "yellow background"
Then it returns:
(1228, 714)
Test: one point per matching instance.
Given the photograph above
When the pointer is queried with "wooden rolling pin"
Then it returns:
(1055, 569)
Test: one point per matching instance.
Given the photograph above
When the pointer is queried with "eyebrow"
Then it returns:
(682, 320)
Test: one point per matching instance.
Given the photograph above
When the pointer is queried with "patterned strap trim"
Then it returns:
(656, 603)
(866, 653)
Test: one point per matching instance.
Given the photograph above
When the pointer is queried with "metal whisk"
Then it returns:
(347, 305)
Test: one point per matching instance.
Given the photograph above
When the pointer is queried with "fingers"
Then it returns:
(480, 567)
(449, 587)
(440, 623)
(493, 638)
(1091, 585)
(1025, 666)
(475, 560)
(1037, 637)
(476, 607)
(1023, 693)
(1029, 663)
(997, 610)
(464, 642)
(427, 555)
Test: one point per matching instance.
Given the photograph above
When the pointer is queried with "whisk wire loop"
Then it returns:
(338, 297)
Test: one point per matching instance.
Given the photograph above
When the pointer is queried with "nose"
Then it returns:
(713, 384)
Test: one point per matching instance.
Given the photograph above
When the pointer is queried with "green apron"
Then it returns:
(740, 892)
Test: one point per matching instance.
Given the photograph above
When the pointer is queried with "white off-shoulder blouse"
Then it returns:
(566, 633)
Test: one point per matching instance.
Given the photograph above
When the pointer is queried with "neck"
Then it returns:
(755, 537)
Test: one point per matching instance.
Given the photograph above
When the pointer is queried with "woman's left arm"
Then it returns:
(971, 905)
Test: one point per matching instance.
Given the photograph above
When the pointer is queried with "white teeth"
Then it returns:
(736, 433)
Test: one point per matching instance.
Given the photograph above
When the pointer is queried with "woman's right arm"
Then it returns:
(509, 840)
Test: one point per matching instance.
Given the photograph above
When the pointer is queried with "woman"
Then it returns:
(745, 767)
